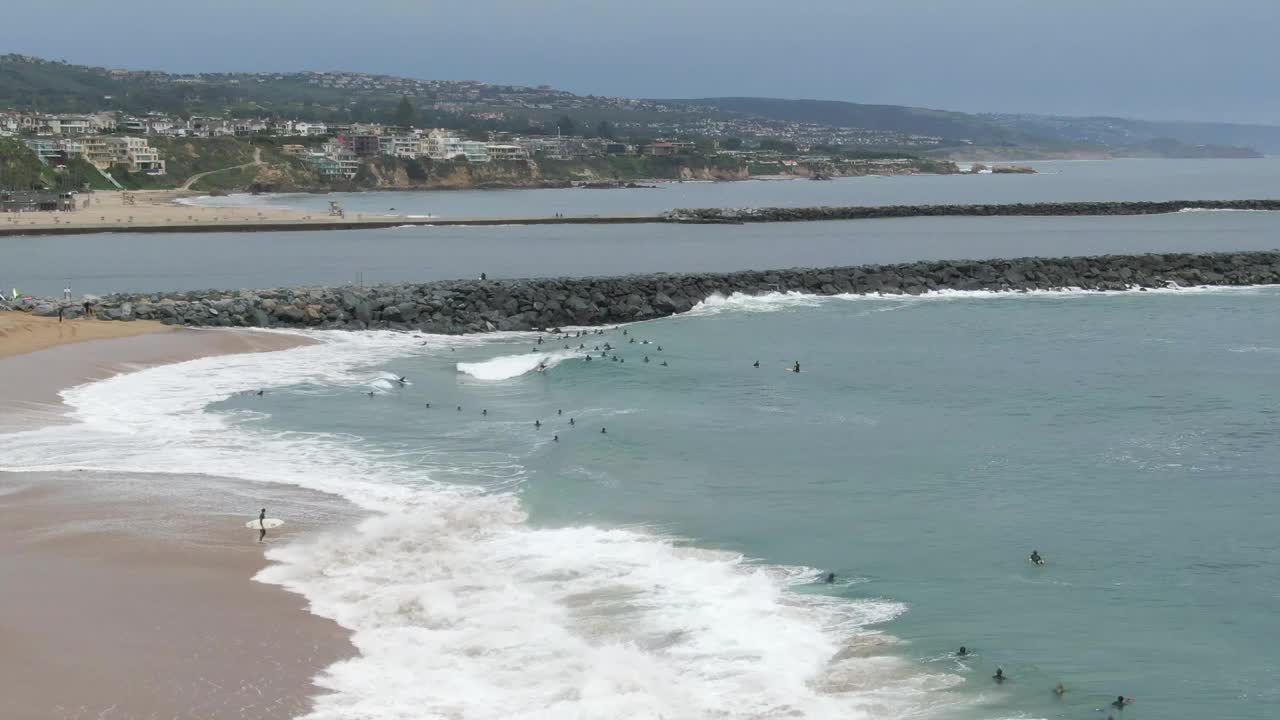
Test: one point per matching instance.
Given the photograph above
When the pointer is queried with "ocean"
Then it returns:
(672, 567)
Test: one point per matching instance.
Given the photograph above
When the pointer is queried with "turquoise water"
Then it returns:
(672, 566)
(924, 450)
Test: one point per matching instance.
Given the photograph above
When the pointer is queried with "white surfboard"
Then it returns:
(269, 523)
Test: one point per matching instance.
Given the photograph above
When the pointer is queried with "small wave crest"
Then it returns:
(512, 366)
(765, 302)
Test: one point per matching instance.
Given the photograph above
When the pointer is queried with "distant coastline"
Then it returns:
(167, 217)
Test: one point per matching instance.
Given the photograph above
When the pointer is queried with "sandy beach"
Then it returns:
(40, 356)
(23, 332)
(161, 211)
(130, 596)
(113, 209)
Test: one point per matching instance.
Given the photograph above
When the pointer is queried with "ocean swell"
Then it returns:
(462, 609)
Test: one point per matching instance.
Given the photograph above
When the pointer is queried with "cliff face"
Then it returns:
(388, 173)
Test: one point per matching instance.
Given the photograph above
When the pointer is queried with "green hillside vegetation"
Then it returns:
(888, 118)
(21, 169)
(638, 167)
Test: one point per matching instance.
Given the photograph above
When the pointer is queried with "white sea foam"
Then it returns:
(511, 366)
(780, 301)
(459, 608)
(765, 302)
(1218, 210)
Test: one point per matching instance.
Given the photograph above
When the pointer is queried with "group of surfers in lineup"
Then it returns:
(604, 350)
(1060, 690)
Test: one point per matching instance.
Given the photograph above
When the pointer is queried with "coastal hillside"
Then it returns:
(35, 84)
(953, 126)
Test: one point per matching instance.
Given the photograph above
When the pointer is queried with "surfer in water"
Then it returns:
(831, 578)
(402, 380)
(571, 422)
(260, 392)
(962, 652)
(1120, 702)
(999, 677)
(537, 424)
(1060, 690)
(604, 431)
(796, 368)
(755, 364)
(262, 524)
(1035, 558)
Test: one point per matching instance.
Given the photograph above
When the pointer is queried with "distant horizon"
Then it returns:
(689, 98)
(1185, 60)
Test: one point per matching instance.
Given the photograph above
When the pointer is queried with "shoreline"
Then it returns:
(163, 216)
(175, 624)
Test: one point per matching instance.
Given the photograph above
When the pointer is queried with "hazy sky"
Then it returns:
(1175, 59)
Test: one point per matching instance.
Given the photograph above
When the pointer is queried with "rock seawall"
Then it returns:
(468, 306)
(776, 214)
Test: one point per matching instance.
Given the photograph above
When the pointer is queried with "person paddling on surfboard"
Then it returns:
(1035, 558)
(262, 524)
(796, 368)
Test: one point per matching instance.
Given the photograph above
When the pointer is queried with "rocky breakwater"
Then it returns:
(760, 215)
(471, 306)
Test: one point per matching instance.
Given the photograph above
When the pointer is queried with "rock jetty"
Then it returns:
(854, 212)
(471, 306)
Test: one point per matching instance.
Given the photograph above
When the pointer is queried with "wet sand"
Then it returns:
(130, 596)
(32, 379)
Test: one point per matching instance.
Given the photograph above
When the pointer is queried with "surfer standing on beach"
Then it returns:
(262, 524)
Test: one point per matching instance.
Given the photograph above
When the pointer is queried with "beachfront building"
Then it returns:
(97, 151)
(502, 151)
(439, 145)
(312, 129)
(475, 151)
(9, 124)
(408, 147)
(552, 148)
(200, 126)
(335, 160)
(12, 201)
(48, 150)
(362, 144)
(135, 153)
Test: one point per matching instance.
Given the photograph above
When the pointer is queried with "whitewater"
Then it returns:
(464, 603)
(458, 607)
